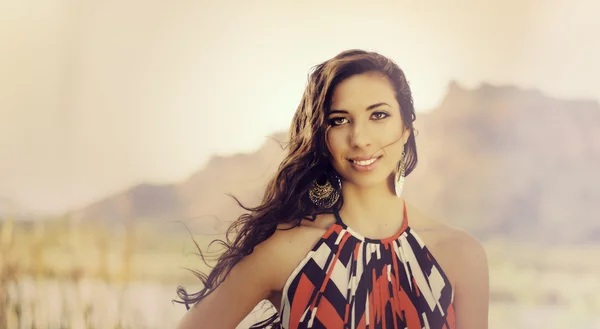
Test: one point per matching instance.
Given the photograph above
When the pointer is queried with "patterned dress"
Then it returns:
(350, 281)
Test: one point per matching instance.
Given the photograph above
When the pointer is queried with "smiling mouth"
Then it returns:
(364, 162)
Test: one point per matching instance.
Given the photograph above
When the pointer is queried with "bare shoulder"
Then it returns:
(256, 277)
(467, 263)
(464, 260)
(461, 255)
(288, 246)
(468, 257)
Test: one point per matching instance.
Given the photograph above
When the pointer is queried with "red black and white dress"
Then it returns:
(350, 281)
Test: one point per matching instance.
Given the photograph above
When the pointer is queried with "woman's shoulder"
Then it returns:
(458, 252)
(441, 232)
(289, 244)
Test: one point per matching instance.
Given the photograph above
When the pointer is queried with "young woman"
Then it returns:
(334, 244)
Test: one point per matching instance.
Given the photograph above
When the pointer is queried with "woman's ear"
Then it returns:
(406, 135)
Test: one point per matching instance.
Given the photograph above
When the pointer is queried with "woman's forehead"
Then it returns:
(361, 91)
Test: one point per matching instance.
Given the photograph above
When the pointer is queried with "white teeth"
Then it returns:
(365, 162)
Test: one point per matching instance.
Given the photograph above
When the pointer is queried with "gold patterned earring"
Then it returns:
(322, 193)
(399, 178)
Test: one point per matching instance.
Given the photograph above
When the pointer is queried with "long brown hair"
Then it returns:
(286, 198)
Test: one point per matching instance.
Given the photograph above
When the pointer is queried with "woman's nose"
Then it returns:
(360, 137)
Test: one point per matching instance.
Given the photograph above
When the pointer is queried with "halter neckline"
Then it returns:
(403, 228)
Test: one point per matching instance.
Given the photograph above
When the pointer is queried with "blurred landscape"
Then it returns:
(514, 167)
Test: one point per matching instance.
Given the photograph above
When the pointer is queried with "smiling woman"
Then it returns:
(331, 245)
(361, 132)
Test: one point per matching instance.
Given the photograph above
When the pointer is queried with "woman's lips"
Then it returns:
(364, 165)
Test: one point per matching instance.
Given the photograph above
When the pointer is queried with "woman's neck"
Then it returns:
(374, 207)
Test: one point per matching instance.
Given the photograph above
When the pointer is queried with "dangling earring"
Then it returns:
(399, 178)
(323, 194)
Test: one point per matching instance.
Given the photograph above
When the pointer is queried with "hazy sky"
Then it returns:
(98, 95)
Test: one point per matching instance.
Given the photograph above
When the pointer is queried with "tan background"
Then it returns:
(112, 112)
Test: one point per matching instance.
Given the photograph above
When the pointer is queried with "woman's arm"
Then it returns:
(249, 282)
(471, 298)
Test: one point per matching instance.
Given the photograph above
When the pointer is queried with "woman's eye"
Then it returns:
(336, 121)
(380, 115)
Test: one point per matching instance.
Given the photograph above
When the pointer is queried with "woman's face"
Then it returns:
(366, 134)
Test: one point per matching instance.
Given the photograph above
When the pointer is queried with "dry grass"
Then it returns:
(60, 274)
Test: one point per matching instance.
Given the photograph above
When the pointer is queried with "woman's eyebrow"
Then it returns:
(369, 108)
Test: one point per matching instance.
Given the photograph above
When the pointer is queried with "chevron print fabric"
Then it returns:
(352, 282)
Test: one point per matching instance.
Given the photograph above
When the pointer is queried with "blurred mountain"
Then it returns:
(201, 201)
(497, 161)
(149, 201)
(502, 161)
